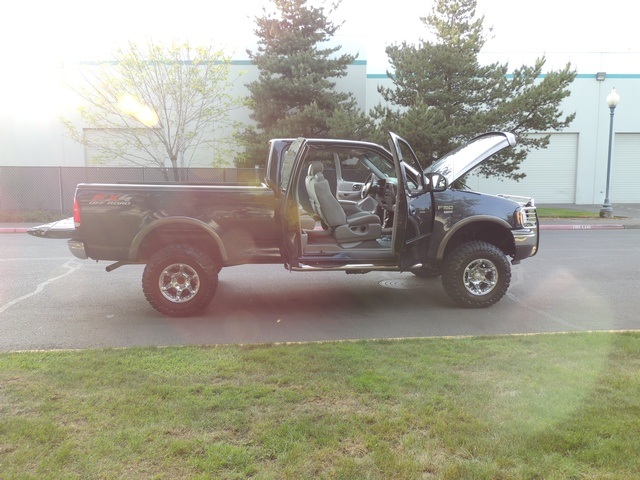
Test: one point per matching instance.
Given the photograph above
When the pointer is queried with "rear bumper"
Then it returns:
(76, 247)
(61, 229)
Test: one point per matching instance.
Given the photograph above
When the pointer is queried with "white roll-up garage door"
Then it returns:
(551, 173)
(625, 169)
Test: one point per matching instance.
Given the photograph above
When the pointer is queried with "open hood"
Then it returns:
(465, 158)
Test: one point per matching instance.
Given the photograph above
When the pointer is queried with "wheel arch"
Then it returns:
(482, 227)
(173, 230)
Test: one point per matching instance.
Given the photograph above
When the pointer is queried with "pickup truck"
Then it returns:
(325, 205)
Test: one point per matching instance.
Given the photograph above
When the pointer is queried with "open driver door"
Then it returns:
(412, 222)
(287, 204)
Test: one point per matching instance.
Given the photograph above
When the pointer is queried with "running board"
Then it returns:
(354, 268)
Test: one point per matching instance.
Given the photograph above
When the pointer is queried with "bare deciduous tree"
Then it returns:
(156, 105)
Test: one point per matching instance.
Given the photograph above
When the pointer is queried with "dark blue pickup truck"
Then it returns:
(324, 205)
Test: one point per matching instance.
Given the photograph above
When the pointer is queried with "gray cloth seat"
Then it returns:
(358, 227)
(314, 168)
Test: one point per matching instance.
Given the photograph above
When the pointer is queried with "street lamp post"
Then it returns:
(612, 101)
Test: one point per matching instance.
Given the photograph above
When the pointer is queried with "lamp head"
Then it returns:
(613, 98)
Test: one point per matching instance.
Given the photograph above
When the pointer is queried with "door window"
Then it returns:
(288, 162)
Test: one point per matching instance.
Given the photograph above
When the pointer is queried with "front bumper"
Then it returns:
(76, 247)
(527, 237)
(526, 243)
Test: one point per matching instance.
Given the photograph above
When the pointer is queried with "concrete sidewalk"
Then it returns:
(625, 216)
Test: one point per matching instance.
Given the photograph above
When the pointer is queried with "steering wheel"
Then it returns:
(368, 184)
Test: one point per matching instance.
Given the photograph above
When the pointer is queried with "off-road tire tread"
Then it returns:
(456, 262)
(196, 258)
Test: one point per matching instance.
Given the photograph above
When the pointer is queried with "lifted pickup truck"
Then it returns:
(324, 205)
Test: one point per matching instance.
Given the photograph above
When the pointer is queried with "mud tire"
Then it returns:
(476, 274)
(180, 280)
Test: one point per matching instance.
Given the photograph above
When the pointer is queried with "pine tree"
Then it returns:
(443, 96)
(294, 94)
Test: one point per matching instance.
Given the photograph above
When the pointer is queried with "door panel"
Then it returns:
(349, 191)
(287, 210)
(412, 219)
(351, 174)
(349, 196)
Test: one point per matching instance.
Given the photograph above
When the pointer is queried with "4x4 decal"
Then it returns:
(110, 199)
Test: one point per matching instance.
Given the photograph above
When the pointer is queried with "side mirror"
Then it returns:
(436, 182)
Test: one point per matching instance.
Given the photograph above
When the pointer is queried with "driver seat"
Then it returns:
(354, 228)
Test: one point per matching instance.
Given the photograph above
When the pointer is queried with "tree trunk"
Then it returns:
(176, 170)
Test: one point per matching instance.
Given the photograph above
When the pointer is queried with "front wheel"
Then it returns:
(180, 280)
(476, 274)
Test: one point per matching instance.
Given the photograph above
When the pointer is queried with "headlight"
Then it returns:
(526, 217)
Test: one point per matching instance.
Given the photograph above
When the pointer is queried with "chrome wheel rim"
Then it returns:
(480, 277)
(179, 283)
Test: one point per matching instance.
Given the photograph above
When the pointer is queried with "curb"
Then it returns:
(584, 227)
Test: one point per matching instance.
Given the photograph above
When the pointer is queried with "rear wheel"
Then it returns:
(476, 274)
(180, 280)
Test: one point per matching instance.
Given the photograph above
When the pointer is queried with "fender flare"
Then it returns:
(209, 228)
(463, 223)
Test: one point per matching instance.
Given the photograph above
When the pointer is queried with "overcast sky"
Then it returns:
(43, 30)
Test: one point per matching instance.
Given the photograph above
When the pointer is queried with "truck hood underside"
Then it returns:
(462, 160)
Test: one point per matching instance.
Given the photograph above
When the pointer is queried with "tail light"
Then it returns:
(77, 217)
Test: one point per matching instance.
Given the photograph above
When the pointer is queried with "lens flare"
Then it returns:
(130, 105)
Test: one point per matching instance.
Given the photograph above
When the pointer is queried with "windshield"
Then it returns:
(353, 158)
(354, 162)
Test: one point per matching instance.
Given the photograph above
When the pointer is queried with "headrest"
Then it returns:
(315, 167)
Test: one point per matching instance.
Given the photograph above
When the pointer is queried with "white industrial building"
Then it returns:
(571, 170)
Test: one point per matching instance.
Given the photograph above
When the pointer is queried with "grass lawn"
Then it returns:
(547, 406)
(545, 212)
